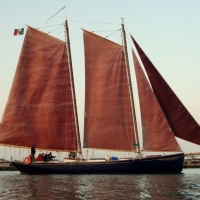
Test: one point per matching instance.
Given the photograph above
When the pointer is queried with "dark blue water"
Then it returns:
(186, 185)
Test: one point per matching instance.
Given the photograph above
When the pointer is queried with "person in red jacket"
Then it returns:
(39, 158)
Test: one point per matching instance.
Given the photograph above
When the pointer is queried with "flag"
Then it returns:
(19, 31)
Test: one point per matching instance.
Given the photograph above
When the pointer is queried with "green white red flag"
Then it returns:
(19, 31)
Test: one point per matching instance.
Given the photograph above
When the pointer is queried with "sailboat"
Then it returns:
(42, 110)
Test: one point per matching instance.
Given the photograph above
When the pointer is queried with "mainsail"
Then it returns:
(157, 134)
(40, 107)
(108, 117)
(181, 122)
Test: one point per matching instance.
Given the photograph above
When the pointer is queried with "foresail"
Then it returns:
(108, 118)
(40, 109)
(157, 134)
(181, 122)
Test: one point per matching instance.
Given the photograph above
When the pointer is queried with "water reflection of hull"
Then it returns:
(160, 164)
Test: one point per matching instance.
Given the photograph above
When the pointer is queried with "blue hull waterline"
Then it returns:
(159, 164)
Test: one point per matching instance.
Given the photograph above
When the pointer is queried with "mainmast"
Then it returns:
(73, 89)
(131, 91)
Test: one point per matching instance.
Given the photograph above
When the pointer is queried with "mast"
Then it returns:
(73, 89)
(130, 90)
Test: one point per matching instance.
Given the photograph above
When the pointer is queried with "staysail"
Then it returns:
(157, 134)
(108, 118)
(40, 105)
(181, 122)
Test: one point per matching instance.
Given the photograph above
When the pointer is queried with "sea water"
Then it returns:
(185, 185)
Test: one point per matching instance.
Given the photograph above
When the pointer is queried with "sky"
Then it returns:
(168, 32)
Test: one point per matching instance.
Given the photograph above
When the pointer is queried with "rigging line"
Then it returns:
(93, 22)
(129, 41)
(10, 153)
(56, 29)
(106, 30)
(60, 32)
(112, 33)
(5, 152)
(50, 26)
(128, 30)
(55, 149)
(19, 157)
(56, 13)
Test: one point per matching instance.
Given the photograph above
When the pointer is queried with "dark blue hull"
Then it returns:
(160, 164)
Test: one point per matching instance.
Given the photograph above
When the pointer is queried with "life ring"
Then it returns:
(27, 160)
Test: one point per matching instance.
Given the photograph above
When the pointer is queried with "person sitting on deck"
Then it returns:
(72, 155)
(45, 158)
(39, 158)
(50, 156)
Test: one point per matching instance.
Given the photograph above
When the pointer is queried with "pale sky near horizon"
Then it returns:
(168, 32)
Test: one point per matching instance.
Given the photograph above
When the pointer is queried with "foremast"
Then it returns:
(131, 91)
(73, 89)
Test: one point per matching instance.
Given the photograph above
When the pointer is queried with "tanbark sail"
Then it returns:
(157, 133)
(181, 122)
(40, 105)
(108, 118)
